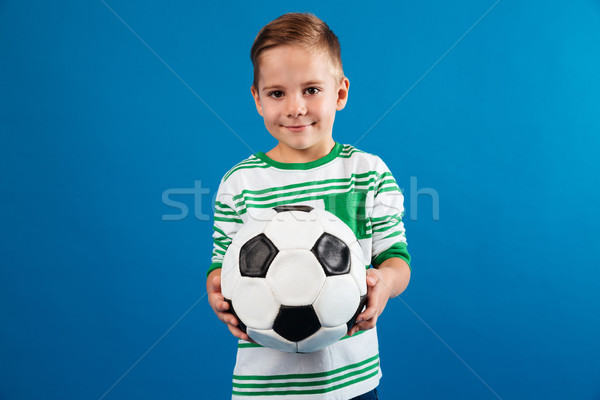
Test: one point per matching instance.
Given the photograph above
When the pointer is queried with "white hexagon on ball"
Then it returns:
(270, 338)
(254, 303)
(322, 338)
(296, 277)
(293, 230)
(230, 271)
(338, 301)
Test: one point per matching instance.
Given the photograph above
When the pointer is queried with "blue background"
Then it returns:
(504, 300)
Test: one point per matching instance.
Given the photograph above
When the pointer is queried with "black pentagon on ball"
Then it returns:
(293, 208)
(361, 304)
(256, 256)
(296, 323)
(333, 254)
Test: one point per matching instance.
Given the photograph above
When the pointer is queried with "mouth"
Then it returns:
(298, 128)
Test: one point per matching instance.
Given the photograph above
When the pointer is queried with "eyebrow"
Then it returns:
(309, 83)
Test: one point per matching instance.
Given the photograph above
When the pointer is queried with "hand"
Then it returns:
(378, 294)
(384, 282)
(221, 307)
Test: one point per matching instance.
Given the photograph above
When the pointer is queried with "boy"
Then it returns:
(298, 86)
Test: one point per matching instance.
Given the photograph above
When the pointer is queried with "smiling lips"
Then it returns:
(298, 128)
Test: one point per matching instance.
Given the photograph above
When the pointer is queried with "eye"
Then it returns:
(276, 94)
(312, 90)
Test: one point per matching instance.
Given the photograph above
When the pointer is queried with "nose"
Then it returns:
(296, 106)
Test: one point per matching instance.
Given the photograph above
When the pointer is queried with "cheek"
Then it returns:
(271, 116)
(269, 112)
(324, 107)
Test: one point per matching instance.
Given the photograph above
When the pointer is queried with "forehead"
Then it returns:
(290, 64)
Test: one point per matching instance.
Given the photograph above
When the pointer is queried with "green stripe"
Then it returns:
(308, 391)
(322, 190)
(225, 212)
(391, 235)
(304, 376)
(323, 193)
(348, 155)
(222, 205)
(386, 227)
(337, 148)
(384, 218)
(247, 166)
(280, 203)
(216, 229)
(223, 219)
(310, 183)
(221, 245)
(386, 179)
(382, 223)
(398, 250)
(385, 183)
(247, 345)
(350, 149)
(305, 383)
(390, 189)
(359, 332)
(223, 239)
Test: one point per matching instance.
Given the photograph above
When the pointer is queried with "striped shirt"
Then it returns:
(360, 190)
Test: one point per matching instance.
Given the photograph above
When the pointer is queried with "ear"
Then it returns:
(256, 99)
(342, 95)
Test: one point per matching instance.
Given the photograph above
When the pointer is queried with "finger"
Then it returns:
(222, 306)
(228, 318)
(353, 330)
(250, 340)
(368, 313)
(366, 325)
(238, 333)
(215, 300)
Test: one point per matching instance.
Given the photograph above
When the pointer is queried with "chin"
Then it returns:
(303, 143)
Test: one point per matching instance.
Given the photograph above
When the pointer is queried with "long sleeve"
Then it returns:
(226, 224)
(389, 239)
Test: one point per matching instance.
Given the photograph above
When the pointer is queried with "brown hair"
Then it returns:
(301, 29)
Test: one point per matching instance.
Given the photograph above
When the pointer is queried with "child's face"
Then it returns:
(298, 96)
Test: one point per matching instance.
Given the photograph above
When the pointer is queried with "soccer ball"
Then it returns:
(295, 278)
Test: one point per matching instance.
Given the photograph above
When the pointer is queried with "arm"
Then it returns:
(390, 256)
(220, 306)
(383, 283)
(226, 224)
